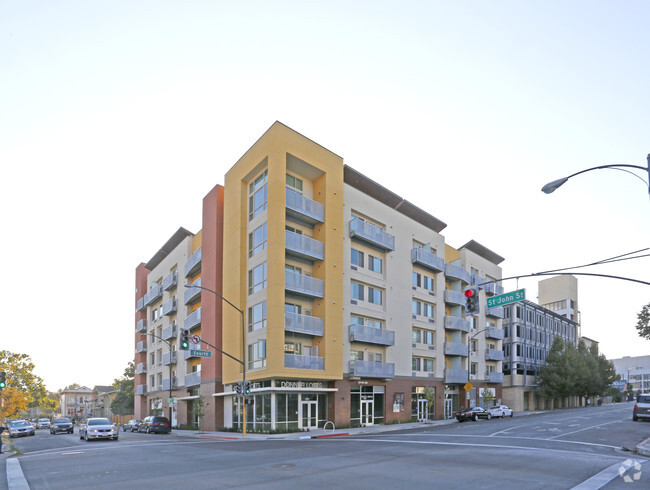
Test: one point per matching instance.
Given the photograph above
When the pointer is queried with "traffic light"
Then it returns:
(238, 387)
(3, 380)
(247, 387)
(471, 295)
(185, 339)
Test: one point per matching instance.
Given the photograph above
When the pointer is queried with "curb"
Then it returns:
(326, 435)
(644, 448)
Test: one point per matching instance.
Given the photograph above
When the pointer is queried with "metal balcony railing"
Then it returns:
(140, 306)
(372, 335)
(141, 390)
(170, 358)
(303, 246)
(193, 264)
(428, 260)
(494, 377)
(302, 284)
(153, 295)
(170, 281)
(193, 319)
(141, 368)
(371, 369)
(493, 355)
(141, 326)
(456, 376)
(165, 384)
(293, 361)
(456, 349)
(303, 208)
(170, 332)
(457, 272)
(141, 346)
(193, 379)
(455, 297)
(456, 323)
(497, 312)
(169, 307)
(192, 295)
(310, 325)
(372, 234)
(494, 333)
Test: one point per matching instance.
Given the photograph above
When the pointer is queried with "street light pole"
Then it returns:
(469, 343)
(551, 186)
(170, 372)
(243, 353)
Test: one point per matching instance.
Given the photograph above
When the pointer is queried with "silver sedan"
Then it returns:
(98, 428)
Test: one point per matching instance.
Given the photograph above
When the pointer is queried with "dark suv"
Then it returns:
(641, 407)
(154, 423)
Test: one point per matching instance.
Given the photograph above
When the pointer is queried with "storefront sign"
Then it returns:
(300, 384)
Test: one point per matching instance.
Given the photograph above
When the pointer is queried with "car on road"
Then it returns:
(501, 411)
(473, 413)
(62, 424)
(98, 428)
(43, 424)
(18, 428)
(154, 423)
(132, 425)
(641, 407)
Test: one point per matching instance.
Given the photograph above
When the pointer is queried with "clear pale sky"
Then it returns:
(110, 110)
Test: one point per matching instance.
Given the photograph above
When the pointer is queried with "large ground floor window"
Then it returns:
(281, 411)
(367, 405)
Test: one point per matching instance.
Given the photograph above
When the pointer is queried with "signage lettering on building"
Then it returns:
(301, 384)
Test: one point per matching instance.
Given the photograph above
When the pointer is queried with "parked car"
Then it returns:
(43, 424)
(132, 425)
(19, 428)
(154, 423)
(62, 425)
(98, 428)
(501, 411)
(641, 407)
(474, 414)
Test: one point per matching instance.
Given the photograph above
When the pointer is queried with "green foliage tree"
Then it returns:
(430, 396)
(124, 401)
(643, 325)
(27, 389)
(198, 409)
(487, 396)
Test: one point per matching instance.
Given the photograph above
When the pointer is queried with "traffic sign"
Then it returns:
(196, 339)
(200, 353)
(468, 387)
(507, 298)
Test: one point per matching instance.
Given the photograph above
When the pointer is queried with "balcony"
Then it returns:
(169, 307)
(476, 280)
(170, 332)
(371, 369)
(170, 358)
(371, 234)
(141, 346)
(193, 264)
(493, 355)
(166, 384)
(494, 333)
(303, 246)
(304, 209)
(141, 326)
(193, 379)
(193, 319)
(140, 306)
(192, 295)
(494, 377)
(310, 325)
(497, 312)
(455, 297)
(428, 260)
(141, 390)
(456, 323)
(141, 368)
(457, 272)
(302, 284)
(153, 295)
(371, 335)
(456, 349)
(170, 281)
(294, 361)
(456, 376)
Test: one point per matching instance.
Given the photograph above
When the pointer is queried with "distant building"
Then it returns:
(75, 402)
(634, 371)
(589, 342)
(102, 398)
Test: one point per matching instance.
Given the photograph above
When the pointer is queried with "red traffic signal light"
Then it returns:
(469, 293)
(471, 296)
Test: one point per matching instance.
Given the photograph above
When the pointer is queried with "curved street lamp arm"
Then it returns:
(552, 186)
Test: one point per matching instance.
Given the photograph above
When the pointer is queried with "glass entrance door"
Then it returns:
(367, 408)
(449, 408)
(423, 408)
(309, 414)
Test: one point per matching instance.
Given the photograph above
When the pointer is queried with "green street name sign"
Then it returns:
(200, 353)
(507, 298)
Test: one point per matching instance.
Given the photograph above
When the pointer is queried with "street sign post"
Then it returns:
(200, 353)
(507, 298)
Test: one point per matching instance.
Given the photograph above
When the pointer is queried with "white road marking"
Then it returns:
(15, 477)
(586, 428)
(601, 479)
(506, 430)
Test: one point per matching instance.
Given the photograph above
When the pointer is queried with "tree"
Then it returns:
(24, 388)
(124, 401)
(487, 396)
(643, 325)
(430, 396)
(198, 409)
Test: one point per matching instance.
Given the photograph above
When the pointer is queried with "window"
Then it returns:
(473, 368)
(474, 346)
(257, 316)
(356, 258)
(293, 268)
(293, 348)
(257, 354)
(356, 355)
(294, 183)
(152, 380)
(423, 281)
(357, 291)
(258, 195)
(369, 322)
(422, 308)
(423, 364)
(374, 264)
(257, 240)
(427, 283)
(376, 357)
(423, 336)
(375, 296)
(257, 278)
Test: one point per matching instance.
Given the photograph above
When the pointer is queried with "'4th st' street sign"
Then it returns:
(507, 298)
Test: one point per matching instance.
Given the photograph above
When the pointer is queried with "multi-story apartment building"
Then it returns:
(530, 330)
(352, 302)
(75, 402)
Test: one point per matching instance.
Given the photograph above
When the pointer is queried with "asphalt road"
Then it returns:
(562, 449)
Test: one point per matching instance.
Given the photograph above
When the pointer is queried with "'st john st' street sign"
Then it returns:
(507, 298)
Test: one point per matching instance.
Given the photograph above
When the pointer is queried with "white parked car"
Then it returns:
(98, 428)
(501, 411)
